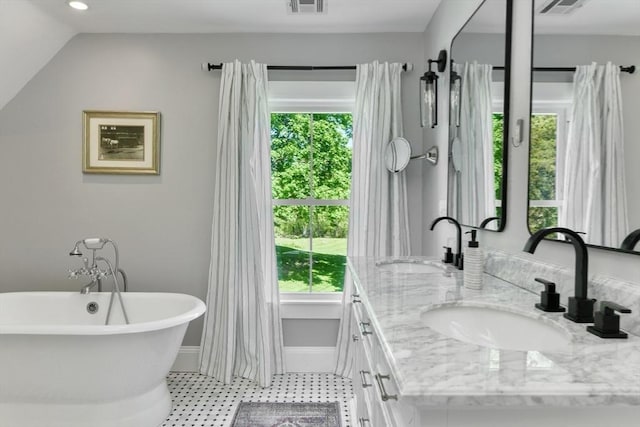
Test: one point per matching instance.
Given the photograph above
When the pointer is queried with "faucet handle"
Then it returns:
(549, 286)
(549, 298)
(448, 255)
(607, 322)
(73, 274)
(609, 307)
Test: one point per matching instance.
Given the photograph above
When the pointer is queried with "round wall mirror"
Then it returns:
(397, 154)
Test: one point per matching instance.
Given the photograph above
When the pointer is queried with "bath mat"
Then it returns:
(278, 414)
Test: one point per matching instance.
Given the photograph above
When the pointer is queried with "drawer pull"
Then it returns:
(364, 422)
(363, 380)
(364, 325)
(355, 338)
(383, 392)
(356, 301)
(355, 295)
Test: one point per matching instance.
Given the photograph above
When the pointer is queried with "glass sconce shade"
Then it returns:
(456, 92)
(429, 101)
(423, 109)
(429, 92)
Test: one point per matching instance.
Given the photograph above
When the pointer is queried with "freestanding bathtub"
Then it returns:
(60, 366)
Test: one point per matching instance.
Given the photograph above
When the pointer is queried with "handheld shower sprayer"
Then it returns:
(76, 250)
(94, 244)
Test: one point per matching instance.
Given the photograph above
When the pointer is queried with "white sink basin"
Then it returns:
(410, 266)
(497, 328)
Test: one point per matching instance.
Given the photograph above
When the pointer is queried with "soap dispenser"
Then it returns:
(473, 263)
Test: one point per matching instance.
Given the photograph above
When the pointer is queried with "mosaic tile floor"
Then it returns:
(200, 401)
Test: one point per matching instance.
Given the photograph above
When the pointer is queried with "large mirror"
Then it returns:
(584, 124)
(479, 95)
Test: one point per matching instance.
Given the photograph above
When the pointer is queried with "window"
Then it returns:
(545, 177)
(498, 146)
(311, 178)
(549, 119)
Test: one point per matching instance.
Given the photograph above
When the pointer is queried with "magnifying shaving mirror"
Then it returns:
(398, 154)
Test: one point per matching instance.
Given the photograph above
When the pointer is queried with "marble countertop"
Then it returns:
(434, 369)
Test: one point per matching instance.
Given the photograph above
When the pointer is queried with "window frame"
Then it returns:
(311, 97)
(553, 98)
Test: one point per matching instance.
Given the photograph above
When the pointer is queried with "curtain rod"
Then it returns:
(207, 66)
(625, 69)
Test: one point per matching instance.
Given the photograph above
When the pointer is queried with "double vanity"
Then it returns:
(429, 352)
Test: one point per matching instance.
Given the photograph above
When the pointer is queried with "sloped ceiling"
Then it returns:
(29, 38)
(33, 31)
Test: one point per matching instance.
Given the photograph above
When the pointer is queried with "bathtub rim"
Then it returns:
(196, 310)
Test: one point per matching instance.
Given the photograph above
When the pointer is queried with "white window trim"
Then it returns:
(312, 96)
(317, 305)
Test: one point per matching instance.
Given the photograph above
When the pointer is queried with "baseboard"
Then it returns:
(310, 359)
(297, 359)
(188, 359)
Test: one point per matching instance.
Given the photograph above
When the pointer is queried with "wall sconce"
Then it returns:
(429, 92)
(455, 96)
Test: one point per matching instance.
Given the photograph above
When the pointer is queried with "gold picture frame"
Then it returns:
(121, 142)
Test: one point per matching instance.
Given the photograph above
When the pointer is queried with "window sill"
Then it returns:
(311, 306)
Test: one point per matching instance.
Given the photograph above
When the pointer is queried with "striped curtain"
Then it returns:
(476, 198)
(242, 333)
(378, 215)
(594, 188)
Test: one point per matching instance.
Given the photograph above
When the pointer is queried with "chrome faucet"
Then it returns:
(93, 271)
(580, 308)
(96, 274)
(457, 256)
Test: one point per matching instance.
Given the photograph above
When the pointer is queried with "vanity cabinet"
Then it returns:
(378, 401)
(406, 374)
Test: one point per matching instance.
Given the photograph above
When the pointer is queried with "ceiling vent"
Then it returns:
(296, 7)
(560, 7)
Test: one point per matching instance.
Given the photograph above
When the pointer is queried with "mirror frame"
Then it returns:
(606, 248)
(506, 113)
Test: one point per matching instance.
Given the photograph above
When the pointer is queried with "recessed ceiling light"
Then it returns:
(78, 5)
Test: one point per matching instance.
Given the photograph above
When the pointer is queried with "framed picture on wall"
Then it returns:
(121, 142)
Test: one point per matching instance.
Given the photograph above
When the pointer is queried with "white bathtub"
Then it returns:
(62, 367)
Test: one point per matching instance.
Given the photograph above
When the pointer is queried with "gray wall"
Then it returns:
(161, 223)
(481, 47)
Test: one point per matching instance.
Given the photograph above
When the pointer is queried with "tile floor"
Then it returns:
(200, 401)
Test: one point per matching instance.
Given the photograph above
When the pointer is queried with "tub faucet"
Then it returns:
(580, 308)
(96, 274)
(92, 270)
(87, 288)
(457, 256)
